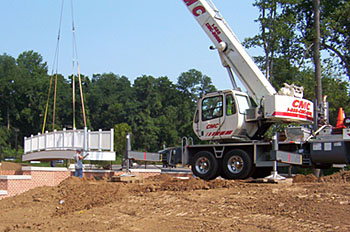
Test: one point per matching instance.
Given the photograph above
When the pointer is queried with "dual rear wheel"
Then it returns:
(236, 164)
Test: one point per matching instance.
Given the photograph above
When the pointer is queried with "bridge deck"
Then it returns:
(60, 145)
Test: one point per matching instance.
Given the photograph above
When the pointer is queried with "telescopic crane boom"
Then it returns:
(231, 51)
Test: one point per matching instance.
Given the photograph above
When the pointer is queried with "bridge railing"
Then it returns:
(70, 140)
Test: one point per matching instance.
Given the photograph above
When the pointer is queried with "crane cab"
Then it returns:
(222, 116)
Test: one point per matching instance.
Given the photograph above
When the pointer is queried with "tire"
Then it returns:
(237, 164)
(205, 165)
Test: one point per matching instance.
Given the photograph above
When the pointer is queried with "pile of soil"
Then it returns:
(299, 178)
(165, 203)
(339, 177)
(76, 194)
(169, 183)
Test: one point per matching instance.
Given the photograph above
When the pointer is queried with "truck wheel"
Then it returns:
(237, 164)
(223, 175)
(205, 165)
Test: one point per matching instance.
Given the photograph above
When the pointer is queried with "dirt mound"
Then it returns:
(76, 194)
(81, 194)
(299, 178)
(339, 177)
(169, 183)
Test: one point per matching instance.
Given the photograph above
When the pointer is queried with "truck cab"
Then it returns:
(222, 115)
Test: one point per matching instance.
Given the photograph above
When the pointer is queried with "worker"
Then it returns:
(78, 157)
(230, 108)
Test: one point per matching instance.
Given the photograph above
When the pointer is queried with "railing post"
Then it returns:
(85, 139)
(99, 139)
(25, 147)
(112, 140)
(46, 132)
(89, 136)
(73, 139)
(31, 143)
(64, 135)
(54, 139)
(39, 141)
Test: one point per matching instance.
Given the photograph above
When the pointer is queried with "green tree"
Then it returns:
(108, 97)
(195, 84)
(149, 106)
(287, 34)
(31, 97)
(335, 32)
(279, 39)
(3, 137)
(120, 132)
(9, 75)
(163, 113)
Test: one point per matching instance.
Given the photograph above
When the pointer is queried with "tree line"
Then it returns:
(157, 111)
(154, 110)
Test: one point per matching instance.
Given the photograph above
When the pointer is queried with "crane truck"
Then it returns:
(234, 121)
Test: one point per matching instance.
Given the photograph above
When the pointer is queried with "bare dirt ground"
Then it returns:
(164, 203)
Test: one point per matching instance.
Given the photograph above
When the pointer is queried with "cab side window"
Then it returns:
(212, 107)
(230, 105)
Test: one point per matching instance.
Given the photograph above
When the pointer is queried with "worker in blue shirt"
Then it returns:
(78, 157)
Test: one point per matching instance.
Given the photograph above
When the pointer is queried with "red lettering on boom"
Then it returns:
(197, 11)
(190, 2)
(214, 31)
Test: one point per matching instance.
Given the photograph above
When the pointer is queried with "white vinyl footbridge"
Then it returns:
(60, 145)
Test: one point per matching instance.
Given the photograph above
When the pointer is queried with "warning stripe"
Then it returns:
(217, 133)
(293, 115)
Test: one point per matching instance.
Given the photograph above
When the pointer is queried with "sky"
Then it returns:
(130, 38)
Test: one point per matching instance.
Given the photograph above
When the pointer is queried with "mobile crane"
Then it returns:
(235, 121)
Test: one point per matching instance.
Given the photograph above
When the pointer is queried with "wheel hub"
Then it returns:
(235, 164)
(202, 165)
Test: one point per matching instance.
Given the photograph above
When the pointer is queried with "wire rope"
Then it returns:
(76, 60)
(55, 65)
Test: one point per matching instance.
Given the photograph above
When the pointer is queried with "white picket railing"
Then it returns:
(70, 140)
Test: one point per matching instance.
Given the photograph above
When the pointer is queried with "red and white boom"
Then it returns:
(288, 107)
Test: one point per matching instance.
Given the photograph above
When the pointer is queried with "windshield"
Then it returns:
(212, 108)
